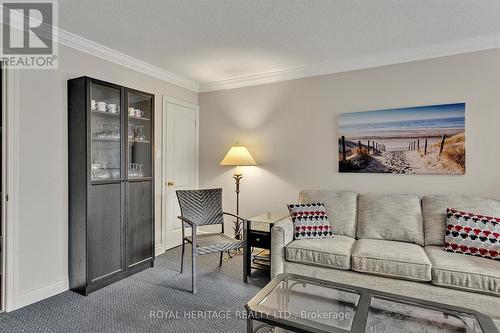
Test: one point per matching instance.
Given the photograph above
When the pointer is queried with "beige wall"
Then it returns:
(290, 128)
(43, 159)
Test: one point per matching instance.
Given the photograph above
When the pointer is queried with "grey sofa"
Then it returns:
(392, 243)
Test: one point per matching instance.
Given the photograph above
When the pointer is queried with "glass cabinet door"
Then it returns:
(105, 118)
(139, 135)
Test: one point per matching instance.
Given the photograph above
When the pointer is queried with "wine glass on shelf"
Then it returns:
(140, 170)
(131, 133)
(116, 131)
(99, 130)
(140, 134)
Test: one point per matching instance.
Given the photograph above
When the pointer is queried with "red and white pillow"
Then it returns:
(310, 221)
(473, 234)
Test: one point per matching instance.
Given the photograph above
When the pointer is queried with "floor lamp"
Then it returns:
(238, 156)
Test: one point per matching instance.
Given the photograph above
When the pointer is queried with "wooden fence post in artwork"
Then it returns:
(368, 147)
(360, 147)
(442, 144)
(418, 144)
(425, 149)
(409, 145)
(343, 148)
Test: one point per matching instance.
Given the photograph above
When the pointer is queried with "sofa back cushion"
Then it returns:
(434, 211)
(340, 207)
(396, 217)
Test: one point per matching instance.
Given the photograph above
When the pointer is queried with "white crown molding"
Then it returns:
(369, 61)
(85, 45)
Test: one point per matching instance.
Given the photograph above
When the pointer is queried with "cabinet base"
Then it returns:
(86, 290)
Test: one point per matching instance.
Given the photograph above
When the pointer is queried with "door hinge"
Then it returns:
(7, 197)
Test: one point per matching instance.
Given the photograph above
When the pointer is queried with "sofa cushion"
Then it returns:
(310, 221)
(340, 207)
(396, 217)
(327, 252)
(434, 211)
(473, 234)
(464, 271)
(398, 260)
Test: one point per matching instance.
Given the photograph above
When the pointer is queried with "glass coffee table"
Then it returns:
(292, 303)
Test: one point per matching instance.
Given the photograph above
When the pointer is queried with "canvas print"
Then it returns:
(413, 140)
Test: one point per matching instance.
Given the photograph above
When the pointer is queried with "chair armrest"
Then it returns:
(236, 216)
(281, 236)
(188, 221)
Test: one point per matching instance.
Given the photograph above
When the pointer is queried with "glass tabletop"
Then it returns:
(311, 304)
(392, 316)
(306, 304)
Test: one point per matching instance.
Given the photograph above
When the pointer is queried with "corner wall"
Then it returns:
(42, 267)
(291, 130)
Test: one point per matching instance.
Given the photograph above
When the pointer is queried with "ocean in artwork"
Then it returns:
(413, 140)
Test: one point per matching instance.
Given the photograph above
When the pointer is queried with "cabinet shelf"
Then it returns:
(105, 113)
(138, 118)
(139, 179)
(139, 141)
(106, 139)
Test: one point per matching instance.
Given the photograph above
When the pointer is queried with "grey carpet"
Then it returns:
(126, 306)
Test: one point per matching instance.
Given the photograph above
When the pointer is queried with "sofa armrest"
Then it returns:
(281, 236)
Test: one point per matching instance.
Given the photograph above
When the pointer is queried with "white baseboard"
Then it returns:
(159, 249)
(41, 293)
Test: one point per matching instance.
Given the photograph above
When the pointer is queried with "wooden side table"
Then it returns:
(259, 237)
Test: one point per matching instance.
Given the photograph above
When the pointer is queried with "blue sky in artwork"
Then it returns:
(443, 111)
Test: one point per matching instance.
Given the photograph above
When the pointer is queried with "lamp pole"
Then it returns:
(237, 178)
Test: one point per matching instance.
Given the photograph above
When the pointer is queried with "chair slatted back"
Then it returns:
(203, 207)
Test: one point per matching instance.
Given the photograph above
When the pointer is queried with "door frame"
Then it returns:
(10, 190)
(169, 100)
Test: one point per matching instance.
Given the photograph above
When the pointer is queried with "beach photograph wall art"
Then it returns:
(410, 140)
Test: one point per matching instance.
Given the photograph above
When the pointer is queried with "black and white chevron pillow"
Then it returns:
(310, 221)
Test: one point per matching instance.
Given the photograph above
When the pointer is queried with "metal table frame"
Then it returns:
(362, 310)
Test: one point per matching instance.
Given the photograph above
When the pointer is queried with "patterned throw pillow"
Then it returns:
(473, 234)
(310, 221)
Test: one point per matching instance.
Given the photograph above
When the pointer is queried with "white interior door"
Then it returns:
(180, 160)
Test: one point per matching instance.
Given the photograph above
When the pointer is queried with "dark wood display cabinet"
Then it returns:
(111, 185)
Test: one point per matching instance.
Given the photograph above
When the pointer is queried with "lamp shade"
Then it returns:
(238, 156)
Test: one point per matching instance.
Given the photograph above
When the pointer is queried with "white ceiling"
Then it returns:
(237, 40)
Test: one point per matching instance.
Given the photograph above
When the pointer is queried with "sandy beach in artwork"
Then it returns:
(414, 146)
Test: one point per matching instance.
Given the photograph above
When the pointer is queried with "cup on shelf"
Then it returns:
(131, 112)
(101, 106)
(93, 104)
(113, 108)
(138, 113)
